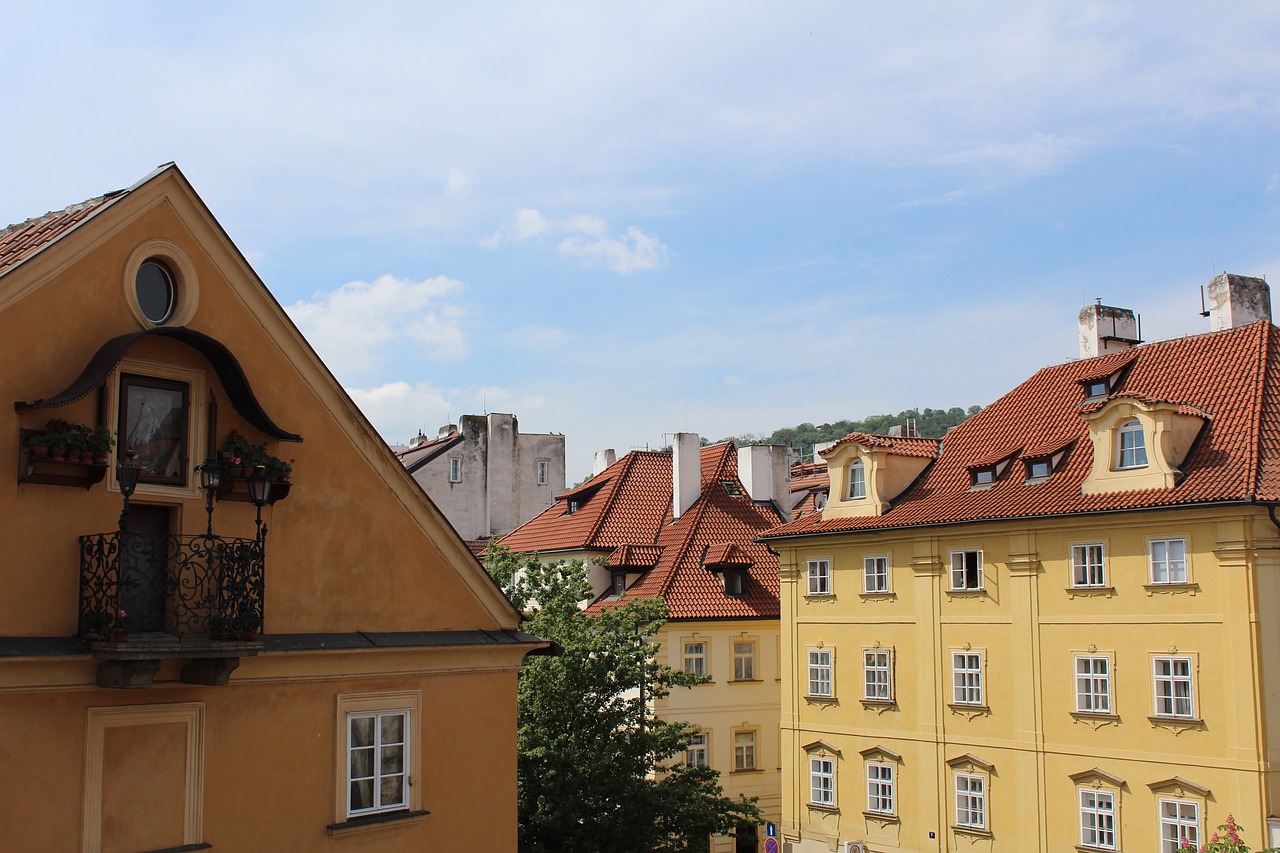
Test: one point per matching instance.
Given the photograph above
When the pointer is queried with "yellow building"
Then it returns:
(1055, 628)
(682, 525)
(188, 664)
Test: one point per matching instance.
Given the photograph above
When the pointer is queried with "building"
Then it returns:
(1053, 629)
(683, 524)
(197, 664)
(486, 476)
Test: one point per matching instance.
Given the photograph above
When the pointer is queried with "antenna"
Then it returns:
(1203, 312)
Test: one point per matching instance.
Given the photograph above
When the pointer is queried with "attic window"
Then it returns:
(857, 480)
(735, 583)
(1131, 445)
(985, 476)
(619, 583)
(732, 488)
(1039, 468)
(1100, 387)
(1096, 388)
(573, 507)
(155, 290)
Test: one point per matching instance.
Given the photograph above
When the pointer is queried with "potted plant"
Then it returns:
(237, 451)
(39, 445)
(120, 630)
(279, 469)
(100, 443)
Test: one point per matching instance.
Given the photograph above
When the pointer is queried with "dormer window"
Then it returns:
(1041, 464)
(1095, 389)
(619, 580)
(573, 507)
(984, 476)
(1038, 470)
(857, 480)
(1131, 446)
(735, 583)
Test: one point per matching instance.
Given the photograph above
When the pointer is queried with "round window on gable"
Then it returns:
(156, 292)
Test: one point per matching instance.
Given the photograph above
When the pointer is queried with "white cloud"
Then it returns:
(585, 237)
(734, 381)
(457, 182)
(354, 326)
(953, 197)
(494, 398)
(399, 410)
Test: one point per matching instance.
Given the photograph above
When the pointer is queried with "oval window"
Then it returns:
(155, 290)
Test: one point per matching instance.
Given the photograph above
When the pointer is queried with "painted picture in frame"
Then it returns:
(153, 424)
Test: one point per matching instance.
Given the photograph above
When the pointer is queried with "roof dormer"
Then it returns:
(868, 471)
(1138, 443)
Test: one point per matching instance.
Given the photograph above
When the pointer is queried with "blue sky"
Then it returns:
(621, 220)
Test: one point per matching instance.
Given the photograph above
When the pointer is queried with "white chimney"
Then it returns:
(1104, 329)
(1237, 300)
(821, 446)
(686, 472)
(765, 472)
(604, 458)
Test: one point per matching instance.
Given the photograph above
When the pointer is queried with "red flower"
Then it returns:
(235, 431)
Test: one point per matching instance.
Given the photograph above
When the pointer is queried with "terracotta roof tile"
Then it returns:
(1232, 378)
(926, 447)
(19, 242)
(635, 556)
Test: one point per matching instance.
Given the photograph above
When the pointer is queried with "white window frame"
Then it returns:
(744, 750)
(744, 662)
(960, 571)
(1174, 827)
(1166, 681)
(698, 752)
(822, 683)
(1097, 822)
(1093, 684)
(971, 800)
(822, 781)
(543, 474)
(875, 574)
(881, 784)
(407, 702)
(877, 675)
(966, 677)
(1165, 569)
(455, 469)
(1131, 445)
(378, 777)
(856, 474)
(1088, 565)
(695, 661)
(820, 576)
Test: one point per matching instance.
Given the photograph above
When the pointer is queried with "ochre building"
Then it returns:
(222, 660)
(1055, 628)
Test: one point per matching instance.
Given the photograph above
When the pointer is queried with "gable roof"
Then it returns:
(630, 517)
(1231, 378)
(22, 241)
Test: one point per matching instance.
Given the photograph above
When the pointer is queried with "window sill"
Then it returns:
(1095, 715)
(1177, 724)
(822, 700)
(746, 771)
(1171, 588)
(357, 824)
(970, 711)
(819, 596)
(820, 807)
(1108, 591)
(746, 681)
(883, 817)
(971, 830)
(879, 703)
(875, 595)
(967, 593)
(1089, 848)
(183, 848)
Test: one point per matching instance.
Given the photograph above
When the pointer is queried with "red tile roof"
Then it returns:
(927, 447)
(630, 516)
(1232, 378)
(809, 480)
(21, 241)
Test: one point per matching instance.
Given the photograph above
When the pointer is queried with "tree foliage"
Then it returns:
(931, 423)
(597, 771)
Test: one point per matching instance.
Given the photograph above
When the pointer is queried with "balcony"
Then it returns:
(145, 598)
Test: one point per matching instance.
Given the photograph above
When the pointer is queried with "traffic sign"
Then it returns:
(771, 830)
(771, 845)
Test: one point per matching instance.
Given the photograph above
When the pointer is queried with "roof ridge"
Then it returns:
(628, 462)
(1252, 469)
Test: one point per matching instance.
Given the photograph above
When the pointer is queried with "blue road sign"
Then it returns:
(771, 830)
(771, 845)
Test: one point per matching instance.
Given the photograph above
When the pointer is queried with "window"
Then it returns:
(966, 678)
(1097, 388)
(1038, 470)
(744, 660)
(1173, 687)
(984, 476)
(542, 473)
(822, 781)
(857, 480)
(619, 580)
(819, 577)
(1131, 446)
(966, 570)
(877, 675)
(696, 753)
(377, 762)
(880, 788)
(971, 801)
(455, 470)
(875, 574)
(1097, 819)
(1087, 566)
(153, 427)
(744, 750)
(155, 291)
(695, 658)
(1093, 685)
(1168, 561)
(1179, 819)
(735, 583)
(820, 673)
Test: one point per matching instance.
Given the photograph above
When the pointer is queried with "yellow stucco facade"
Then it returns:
(371, 606)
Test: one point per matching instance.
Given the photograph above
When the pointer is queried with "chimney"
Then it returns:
(686, 472)
(447, 429)
(765, 472)
(1104, 329)
(1237, 300)
(819, 447)
(604, 458)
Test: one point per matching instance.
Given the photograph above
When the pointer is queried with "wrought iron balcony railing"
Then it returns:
(201, 586)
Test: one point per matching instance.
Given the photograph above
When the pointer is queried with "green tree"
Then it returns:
(1226, 840)
(931, 423)
(597, 771)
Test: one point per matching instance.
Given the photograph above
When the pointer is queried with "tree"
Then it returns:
(1226, 840)
(597, 771)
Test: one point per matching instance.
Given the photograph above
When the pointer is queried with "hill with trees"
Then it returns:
(930, 423)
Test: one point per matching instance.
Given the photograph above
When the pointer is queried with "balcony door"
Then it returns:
(144, 566)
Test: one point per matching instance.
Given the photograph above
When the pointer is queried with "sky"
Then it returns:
(622, 220)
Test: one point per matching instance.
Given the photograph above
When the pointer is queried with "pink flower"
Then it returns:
(123, 615)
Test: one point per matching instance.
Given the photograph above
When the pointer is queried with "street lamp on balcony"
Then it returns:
(127, 478)
(259, 495)
(210, 479)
